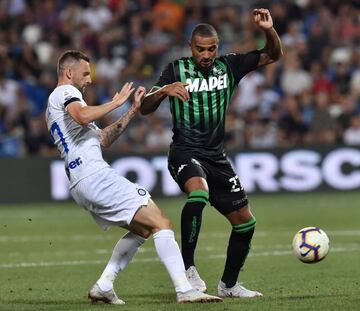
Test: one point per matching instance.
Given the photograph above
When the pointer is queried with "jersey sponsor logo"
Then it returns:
(74, 164)
(213, 83)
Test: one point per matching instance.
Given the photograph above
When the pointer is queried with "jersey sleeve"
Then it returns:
(71, 94)
(241, 64)
(166, 77)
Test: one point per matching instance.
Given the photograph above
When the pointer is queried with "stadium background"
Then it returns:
(292, 127)
(309, 100)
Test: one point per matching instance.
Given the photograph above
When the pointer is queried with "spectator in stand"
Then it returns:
(292, 128)
(322, 126)
(248, 94)
(294, 79)
(8, 95)
(159, 138)
(135, 39)
(97, 16)
(168, 15)
(352, 133)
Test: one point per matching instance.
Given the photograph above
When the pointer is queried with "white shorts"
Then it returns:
(109, 197)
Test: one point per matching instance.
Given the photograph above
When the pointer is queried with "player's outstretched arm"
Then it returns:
(110, 133)
(153, 99)
(86, 114)
(272, 50)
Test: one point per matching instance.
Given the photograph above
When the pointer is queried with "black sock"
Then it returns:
(237, 251)
(190, 227)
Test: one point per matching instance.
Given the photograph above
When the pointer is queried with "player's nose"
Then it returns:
(206, 55)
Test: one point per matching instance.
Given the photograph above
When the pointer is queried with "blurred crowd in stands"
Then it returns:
(310, 97)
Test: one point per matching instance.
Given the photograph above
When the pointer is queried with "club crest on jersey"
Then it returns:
(212, 83)
(218, 71)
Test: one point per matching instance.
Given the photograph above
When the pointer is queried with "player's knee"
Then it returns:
(240, 216)
(160, 221)
(164, 223)
(196, 183)
(145, 233)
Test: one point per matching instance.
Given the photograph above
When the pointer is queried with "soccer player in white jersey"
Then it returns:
(111, 199)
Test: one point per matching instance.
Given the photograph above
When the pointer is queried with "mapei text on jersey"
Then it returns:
(199, 85)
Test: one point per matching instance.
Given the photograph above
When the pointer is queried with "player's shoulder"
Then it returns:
(239, 58)
(185, 58)
(230, 55)
(233, 55)
(68, 89)
(180, 60)
(62, 95)
(170, 66)
(65, 92)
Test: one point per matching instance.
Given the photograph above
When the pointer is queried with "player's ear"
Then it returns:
(68, 73)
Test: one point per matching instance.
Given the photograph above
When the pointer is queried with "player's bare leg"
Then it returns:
(151, 218)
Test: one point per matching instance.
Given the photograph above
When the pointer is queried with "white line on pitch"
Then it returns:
(149, 249)
(153, 259)
(110, 237)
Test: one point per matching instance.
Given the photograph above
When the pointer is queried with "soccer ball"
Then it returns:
(310, 244)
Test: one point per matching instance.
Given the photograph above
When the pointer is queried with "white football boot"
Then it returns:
(193, 296)
(237, 291)
(194, 279)
(96, 294)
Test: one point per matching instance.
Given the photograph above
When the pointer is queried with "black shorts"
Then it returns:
(226, 193)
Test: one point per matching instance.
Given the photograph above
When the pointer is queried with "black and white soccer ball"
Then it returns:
(310, 244)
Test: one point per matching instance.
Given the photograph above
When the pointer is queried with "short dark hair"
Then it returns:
(203, 30)
(70, 56)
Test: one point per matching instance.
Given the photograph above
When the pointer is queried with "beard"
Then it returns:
(81, 88)
(206, 69)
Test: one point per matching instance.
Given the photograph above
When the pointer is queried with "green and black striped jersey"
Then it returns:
(200, 122)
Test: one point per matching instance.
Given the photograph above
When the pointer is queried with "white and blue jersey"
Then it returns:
(111, 199)
(79, 145)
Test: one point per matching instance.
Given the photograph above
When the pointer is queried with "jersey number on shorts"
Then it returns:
(55, 128)
(235, 187)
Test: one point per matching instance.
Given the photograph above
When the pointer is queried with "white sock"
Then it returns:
(123, 252)
(169, 253)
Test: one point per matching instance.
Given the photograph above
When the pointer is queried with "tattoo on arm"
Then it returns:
(110, 133)
(272, 50)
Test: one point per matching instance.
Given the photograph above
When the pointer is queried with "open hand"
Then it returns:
(121, 97)
(138, 96)
(262, 18)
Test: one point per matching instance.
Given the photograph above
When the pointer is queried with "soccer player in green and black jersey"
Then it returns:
(199, 89)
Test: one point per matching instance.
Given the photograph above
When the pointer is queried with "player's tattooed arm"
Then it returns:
(272, 50)
(110, 133)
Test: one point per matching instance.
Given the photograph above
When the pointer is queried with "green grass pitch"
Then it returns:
(50, 255)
